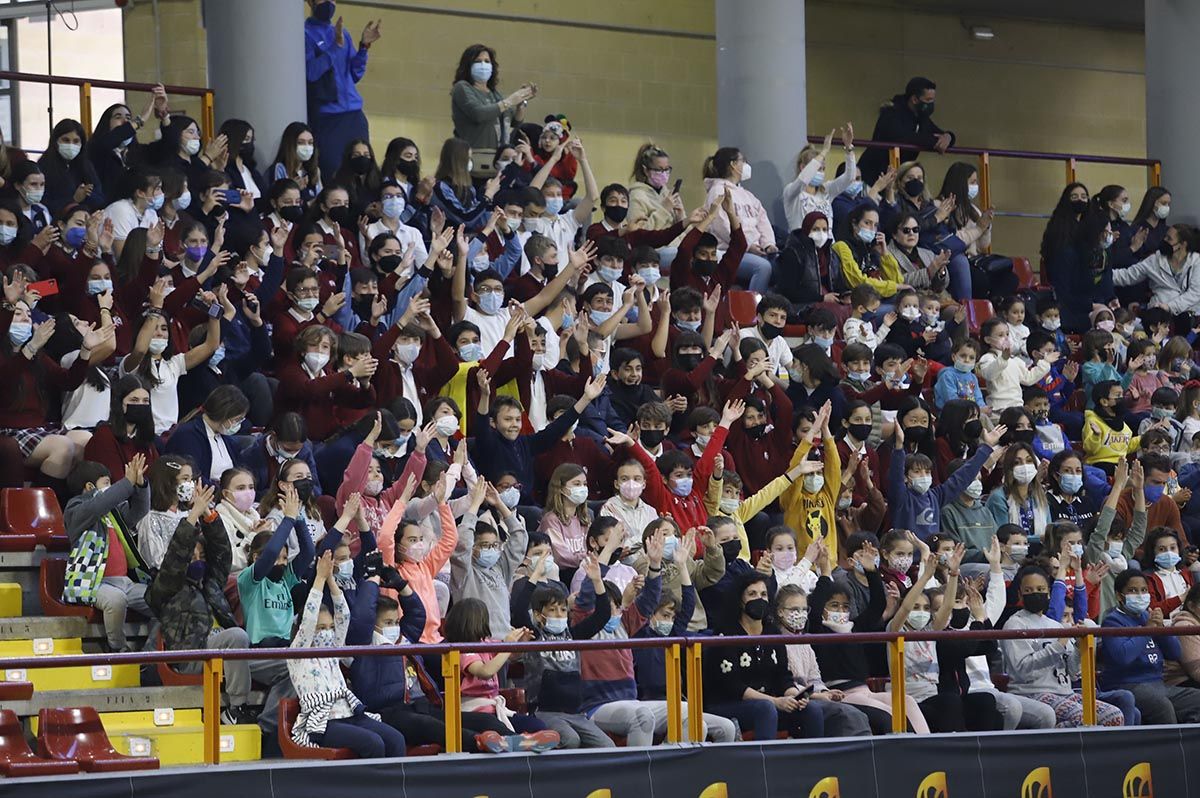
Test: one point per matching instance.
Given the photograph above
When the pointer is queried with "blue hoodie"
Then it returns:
(1133, 660)
(921, 513)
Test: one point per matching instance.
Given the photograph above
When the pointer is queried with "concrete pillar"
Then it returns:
(762, 101)
(1172, 107)
(256, 66)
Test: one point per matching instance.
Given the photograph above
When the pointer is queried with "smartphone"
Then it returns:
(232, 196)
(805, 691)
(678, 184)
(45, 288)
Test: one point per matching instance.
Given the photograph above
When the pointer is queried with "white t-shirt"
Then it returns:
(164, 398)
(491, 328)
(248, 181)
(561, 230)
(553, 345)
(125, 218)
(85, 407)
(221, 458)
(409, 238)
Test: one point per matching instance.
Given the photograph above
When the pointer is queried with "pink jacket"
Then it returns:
(755, 222)
(374, 507)
(420, 575)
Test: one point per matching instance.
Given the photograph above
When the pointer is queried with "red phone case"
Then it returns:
(45, 288)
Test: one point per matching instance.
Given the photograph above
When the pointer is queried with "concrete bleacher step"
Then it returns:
(94, 677)
(175, 736)
(41, 626)
(119, 699)
(10, 600)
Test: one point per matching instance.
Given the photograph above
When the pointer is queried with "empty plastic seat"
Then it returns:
(15, 757)
(743, 307)
(13, 541)
(1024, 272)
(289, 708)
(77, 734)
(35, 511)
(424, 750)
(50, 590)
(978, 311)
(16, 691)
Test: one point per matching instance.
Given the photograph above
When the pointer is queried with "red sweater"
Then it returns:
(113, 453)
(688, 511)
(434, 367)
(318, 399)
(637, 238)
(861, 495)
(1158, 595)
(764, 459)
(22, 404)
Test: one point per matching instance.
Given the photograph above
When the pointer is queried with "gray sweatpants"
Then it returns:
(575, 731)
(1020, 712)
(114, 596)
(1164, 704)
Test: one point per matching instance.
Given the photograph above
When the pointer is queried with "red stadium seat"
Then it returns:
(50, 590)
(743, 307)
(424, 750)
(77, 734)
(35, 511)
(514, 697)
(978, 311)
(289, 708)
(173, 678)
(16, 691)
(15, 757)
(1024, 273)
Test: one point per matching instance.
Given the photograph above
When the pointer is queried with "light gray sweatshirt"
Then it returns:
(1039, 666)
(468, 579)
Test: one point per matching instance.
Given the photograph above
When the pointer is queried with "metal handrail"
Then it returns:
(85, 86)
(690, 647)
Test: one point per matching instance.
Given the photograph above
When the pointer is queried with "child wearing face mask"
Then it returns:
(330, 714)
(364, 476)
(787, 569)
(238, 514)
(810, 505)
(1167, 581)
(902, 560)
(1111, 543)
(701, 574)
(1002, 367)
(482, 566)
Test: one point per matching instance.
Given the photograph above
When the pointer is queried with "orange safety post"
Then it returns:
(85, 106)
(674, 696)
(1155, 173)
(985, 183)
(899, 713)
(452, 702)
(1088, 656)
(894, 157)
(212, 711)
(695, 696)
(1071, 178)
(208, 123)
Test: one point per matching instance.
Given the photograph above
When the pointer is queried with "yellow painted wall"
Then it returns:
(1026, 89)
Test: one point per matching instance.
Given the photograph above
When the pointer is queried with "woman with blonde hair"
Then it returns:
(809, 191)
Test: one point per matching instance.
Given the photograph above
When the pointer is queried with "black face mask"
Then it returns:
(361, 305)
(389, 263)
(340, 215)
(770, 331)
(276, 573)
(1166, 250)
(860, 432)
(549, 270)
(960, 617)
(360, 164)
(731, 549)
(615, 213)
(1079, 206)
(138, 414)
(1037, 603)
(972, 429)
(914, 188)
(925, 109)
(689, 362)
(756, 432)
(410, 170)
(246, 151)
(651, 438)
(704, 268)
(915, 434)
(1022, 435)
(304, 488)
(291, 213)
(756, 609)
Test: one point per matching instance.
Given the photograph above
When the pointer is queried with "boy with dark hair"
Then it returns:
(627, 392)
(1058, 384)
(860, 327)
(696, 263)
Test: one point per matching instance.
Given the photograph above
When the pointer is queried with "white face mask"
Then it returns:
(1162, 211)
(158, 346)
(819, 237)
(446, 425)
(316, 361)
(304, 152)
(191, 146)
(911, 312)
(747, 171)
(1024, 473)
(918, 619)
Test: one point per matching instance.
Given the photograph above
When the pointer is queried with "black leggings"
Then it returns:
(953, 712)
(424, 725)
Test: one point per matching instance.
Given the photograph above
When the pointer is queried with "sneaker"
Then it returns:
(240, 715)
(491, 742)
(537, 742)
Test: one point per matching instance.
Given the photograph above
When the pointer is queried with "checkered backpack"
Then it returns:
(85, 568)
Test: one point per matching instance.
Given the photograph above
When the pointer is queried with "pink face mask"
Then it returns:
(1107, 325)
(632, 489)
(243, 499)
(784, 559)
(659, 179)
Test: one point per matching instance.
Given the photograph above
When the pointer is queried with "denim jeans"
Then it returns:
(755, 272)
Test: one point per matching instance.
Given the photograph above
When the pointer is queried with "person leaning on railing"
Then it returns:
(907, 119)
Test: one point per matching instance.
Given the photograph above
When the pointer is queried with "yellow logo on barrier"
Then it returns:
(1138, 783)
(717, 790)
(1037, 784)
(604, 793)
(934, 786)
(826, 788)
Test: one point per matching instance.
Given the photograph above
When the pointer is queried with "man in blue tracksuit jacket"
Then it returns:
(1136, 663)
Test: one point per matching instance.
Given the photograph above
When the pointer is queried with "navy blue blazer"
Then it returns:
(191, 439)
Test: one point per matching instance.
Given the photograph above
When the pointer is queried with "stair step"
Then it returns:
(30, 627)
(40, 646)
(10, 600)
(121, 699)
(96, 677)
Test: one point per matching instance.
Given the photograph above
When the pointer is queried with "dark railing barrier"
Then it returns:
(85, 86)
(677, 648)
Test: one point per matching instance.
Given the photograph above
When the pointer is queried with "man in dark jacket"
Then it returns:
(908, 119)
(188, 597)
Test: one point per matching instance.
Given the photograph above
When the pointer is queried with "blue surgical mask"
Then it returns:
(818, 179)
(651, 275)
(75, 236)
(1137, 602)
(488, 557)
(855, 189)
(682, 487)
(963, 366)
(20, 332)
(1153, 493)
(8, 233)
(554, 205)
(973, 191)
(555, 626)
(511, 497)
(156, 202)
(824, 343)
(662, 628)
(1070, 483)
(613, 624)
(1166, 560)
(859, 376)
(491, 303)
(600, 316)
(392, 207)
(669, 546)
(609, 274)
(481, 71)
(693, 326)
(470, 352)
(217, 356)
(98, 286)
(866, 236)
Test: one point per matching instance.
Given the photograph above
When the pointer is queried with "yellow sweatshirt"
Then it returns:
(852, 273)
(814, 515)
(1109, 445)
(747, 508)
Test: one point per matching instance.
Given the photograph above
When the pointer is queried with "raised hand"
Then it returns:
(370, 33)
(992, 437)
(734, 409)
(595, 387)
(135, 470)
(484, 380)
(291, 502)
